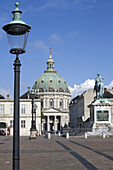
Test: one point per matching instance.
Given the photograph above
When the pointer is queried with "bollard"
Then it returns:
(49, 136)
(6, 131)
(103, 135)
(59, 134)
(85, 135)
(67, 135)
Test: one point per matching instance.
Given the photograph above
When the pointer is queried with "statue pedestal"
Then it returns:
(100, 127)
(101, 118)
(33, 134)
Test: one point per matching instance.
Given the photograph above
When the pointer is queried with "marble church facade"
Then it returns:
(55, 97)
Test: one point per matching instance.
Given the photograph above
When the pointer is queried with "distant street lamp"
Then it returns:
(33, 130)
(17, 33)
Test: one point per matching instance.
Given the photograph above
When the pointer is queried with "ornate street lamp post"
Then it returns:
(17, 33)
(33, 130)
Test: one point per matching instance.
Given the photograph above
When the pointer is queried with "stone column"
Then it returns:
(54, 102)
(58, 103)
(43, 102)
(61, 122)
(65, 103)
(48, 125)
(48, 103)
(55, 124)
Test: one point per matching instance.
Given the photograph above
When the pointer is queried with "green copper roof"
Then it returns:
(17, 19)
(50, 80)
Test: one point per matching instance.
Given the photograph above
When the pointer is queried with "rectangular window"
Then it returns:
(11, 123)
(11, 108)
(22, 123)
(1, 108)
(23, 109)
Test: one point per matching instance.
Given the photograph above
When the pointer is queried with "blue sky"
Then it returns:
(80, 33)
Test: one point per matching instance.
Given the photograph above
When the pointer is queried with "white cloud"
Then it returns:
(74, 33)
(110, 85)
(66, 4)
(40, 45)
(55, 39)
(61, 5)
(79, 89)
(4, 92)
(88, 84)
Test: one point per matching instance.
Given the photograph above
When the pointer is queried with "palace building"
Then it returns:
(52, 101)
(7, 111)
(93, 115)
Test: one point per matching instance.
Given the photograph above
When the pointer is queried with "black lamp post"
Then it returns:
(33, 130)
(17, 33)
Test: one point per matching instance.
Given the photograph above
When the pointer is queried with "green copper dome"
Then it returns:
(50, 80)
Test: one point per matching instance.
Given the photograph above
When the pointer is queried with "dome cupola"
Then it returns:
(50, 63)
(50, 80)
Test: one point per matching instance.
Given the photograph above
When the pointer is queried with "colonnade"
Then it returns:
(52, 123)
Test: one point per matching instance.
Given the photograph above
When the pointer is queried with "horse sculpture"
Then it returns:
(99, 86)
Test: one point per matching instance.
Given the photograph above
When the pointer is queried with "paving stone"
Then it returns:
(58, 153)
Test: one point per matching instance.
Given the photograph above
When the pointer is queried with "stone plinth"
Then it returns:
(33, 134)
(101, 118)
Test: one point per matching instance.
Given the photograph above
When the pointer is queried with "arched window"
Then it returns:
(51, 103)
(61, 103)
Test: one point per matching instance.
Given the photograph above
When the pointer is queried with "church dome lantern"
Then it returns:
(50, 80)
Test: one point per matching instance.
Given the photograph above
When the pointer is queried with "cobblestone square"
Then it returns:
(58, 153)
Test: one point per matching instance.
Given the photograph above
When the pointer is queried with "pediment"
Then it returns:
(51, 110)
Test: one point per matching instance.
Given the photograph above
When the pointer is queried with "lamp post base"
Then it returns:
(33, 134)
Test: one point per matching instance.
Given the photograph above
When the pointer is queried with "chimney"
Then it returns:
(28, 89)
